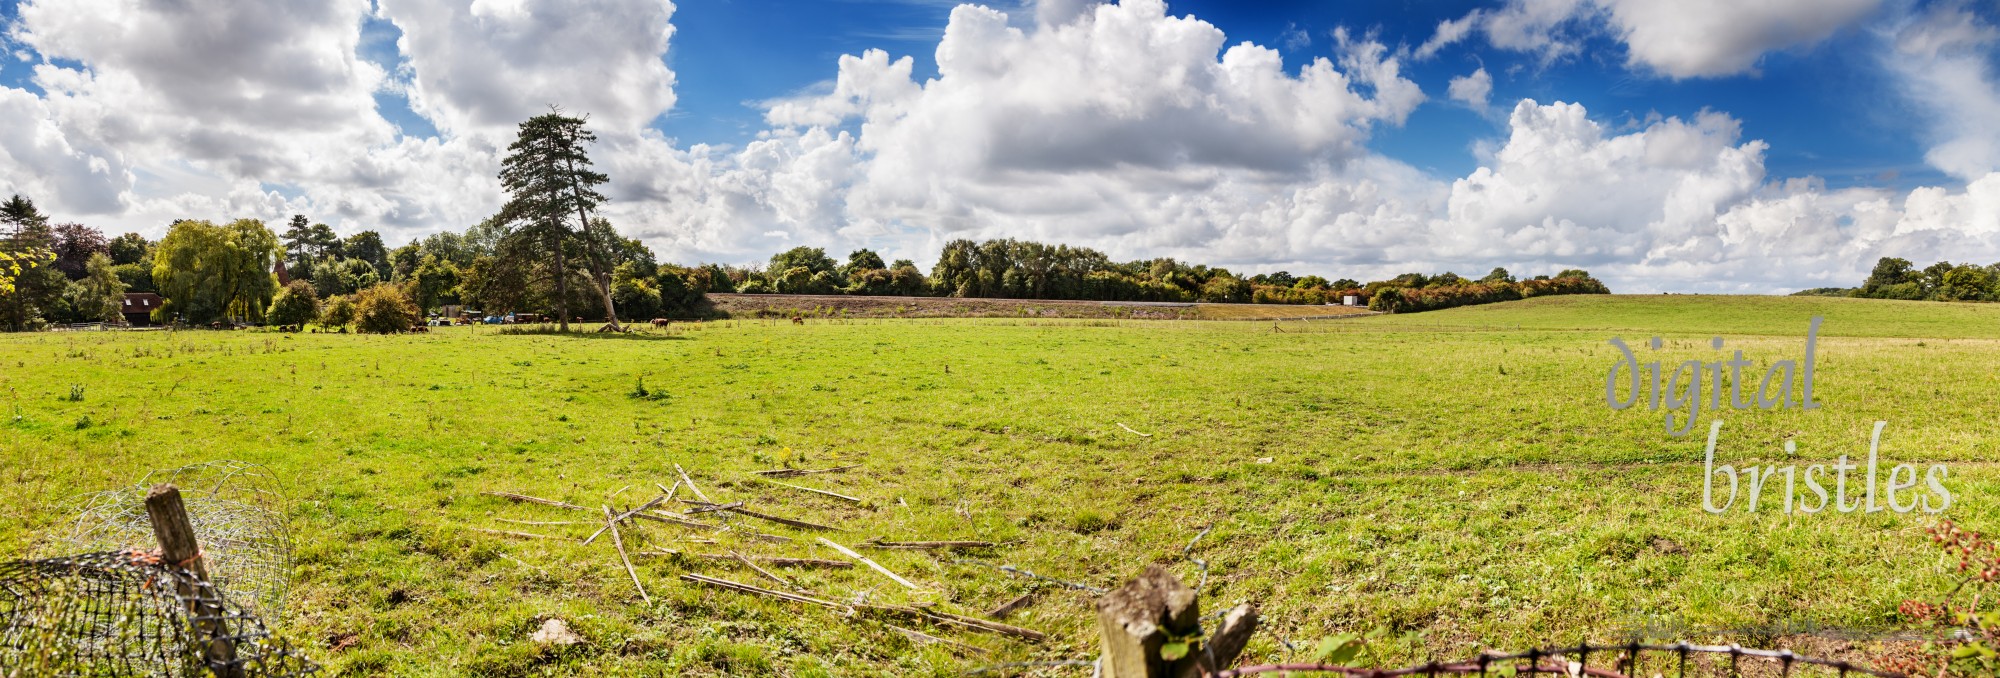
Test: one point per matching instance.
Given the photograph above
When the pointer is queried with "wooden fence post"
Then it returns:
(179, 548)
(1138, 621)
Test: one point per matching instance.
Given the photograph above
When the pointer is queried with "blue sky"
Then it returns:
(730, 55)
(1704, 145)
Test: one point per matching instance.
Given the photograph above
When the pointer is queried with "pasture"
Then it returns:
(1453, 477)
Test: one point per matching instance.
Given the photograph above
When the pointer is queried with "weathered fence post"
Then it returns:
(1151, 628)
(179, 548)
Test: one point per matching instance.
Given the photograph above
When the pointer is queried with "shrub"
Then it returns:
(297, 304)
(339, 312)
(384, 309)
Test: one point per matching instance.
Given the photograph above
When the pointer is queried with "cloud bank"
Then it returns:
(1117, 126)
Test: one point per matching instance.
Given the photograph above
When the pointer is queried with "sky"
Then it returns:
(1695, 146)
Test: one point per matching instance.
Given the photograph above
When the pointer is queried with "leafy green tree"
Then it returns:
(1931, 279)
(1311, 282)
(367, 246)
(1279, 279)
(719, 279)
(812, 259)
(434, 283)
(1226, 289)
(339, 312)
(1411, 280)
(137, 277)
(403, 261)
(297, 304)
(458, 250)
(103, 293)
(862, 260)
(1966, 282)
(548, 180)
(1351, 284)
(1888, 272)
(208, 272)
(1573, 273)
(1387, 300)
(1498, 275)
(130, 248)
(343, 276)
(384, 309)
(638, 294)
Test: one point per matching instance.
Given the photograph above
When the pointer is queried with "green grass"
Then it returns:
(1444, 473)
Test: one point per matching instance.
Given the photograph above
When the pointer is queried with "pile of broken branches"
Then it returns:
(711, 518)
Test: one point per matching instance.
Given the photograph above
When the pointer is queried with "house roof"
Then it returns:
(141, 302)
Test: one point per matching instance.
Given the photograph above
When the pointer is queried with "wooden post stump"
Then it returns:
(1151, 628)
(179, 548)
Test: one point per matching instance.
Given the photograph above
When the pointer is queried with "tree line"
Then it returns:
(1019, 269)
(1897, 278)
(547, 251)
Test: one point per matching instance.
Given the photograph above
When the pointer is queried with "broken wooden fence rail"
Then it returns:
(878, 543)
(794, 472)
(737, 508)
(870, 563)
(773, 561)
(622, 516)
(511, 533)
(815, 490)
(611, 521)
(538, 500)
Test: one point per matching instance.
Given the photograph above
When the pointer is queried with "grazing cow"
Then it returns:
(660, 322)
(419, 329)
(798, 320)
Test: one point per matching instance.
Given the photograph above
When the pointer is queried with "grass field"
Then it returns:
(1454, 476)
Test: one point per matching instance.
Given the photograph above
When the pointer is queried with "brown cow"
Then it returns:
(660, 322)
(798, 320)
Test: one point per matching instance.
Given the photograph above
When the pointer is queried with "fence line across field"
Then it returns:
(1629, 662)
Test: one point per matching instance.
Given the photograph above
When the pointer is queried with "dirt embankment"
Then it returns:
(843, 306)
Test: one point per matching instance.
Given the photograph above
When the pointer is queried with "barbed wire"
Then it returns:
(1018, 572)
(1188, 555)
(983, 670)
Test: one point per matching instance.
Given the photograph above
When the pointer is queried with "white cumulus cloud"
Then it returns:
(1473, 89)
(1688, 39)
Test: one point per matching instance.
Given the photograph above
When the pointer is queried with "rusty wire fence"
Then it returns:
(1630, 660)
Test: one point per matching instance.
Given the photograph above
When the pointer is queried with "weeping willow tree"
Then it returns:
(208, 272)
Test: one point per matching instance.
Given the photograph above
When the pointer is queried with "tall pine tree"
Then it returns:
(549, 180)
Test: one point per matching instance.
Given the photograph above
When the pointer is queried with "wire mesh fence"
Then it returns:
(1630, 660)
(125, 613)
(234, 506)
